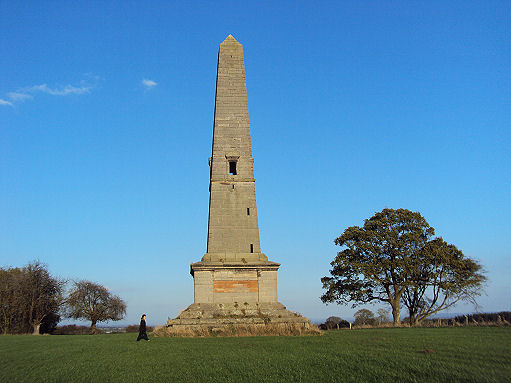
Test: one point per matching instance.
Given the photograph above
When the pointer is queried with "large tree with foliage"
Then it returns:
(443, 276)
(93, 302)
(382, 261)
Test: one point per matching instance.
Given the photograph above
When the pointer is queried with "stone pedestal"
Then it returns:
(234, 277)
(235, 289)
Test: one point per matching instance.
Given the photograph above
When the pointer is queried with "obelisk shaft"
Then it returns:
(232, 226)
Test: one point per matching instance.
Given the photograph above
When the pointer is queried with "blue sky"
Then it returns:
(106, 116)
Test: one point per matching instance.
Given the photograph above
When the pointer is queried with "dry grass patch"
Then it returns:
(293, 329)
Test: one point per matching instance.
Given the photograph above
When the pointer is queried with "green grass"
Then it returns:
(468, 354)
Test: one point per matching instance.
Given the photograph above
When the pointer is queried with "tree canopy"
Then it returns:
(93, 302)
(442, 277)
(394, 258)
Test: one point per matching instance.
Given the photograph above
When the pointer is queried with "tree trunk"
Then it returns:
(6, 324)
(412, 317)
(36, 329)
(395, 313)
(93, 327)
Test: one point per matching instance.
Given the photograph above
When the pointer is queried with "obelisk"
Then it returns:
(234, 283)
(233, 224)
(233, 269)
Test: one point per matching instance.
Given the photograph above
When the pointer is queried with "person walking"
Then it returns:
(142, 334)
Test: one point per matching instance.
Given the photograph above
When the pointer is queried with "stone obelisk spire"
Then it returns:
(233, 227)
(234, 283)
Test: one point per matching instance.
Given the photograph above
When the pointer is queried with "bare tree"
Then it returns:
(10, 308)
(93, 302)
(364, 317)
(382, 315)
(42, 292)
(29, 297)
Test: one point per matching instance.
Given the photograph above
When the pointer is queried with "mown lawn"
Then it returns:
(473, 354)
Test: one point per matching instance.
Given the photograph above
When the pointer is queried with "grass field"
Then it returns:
(466, 354)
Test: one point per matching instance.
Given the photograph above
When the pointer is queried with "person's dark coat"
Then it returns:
(142, 334)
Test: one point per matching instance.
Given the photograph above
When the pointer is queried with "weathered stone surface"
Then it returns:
(233, 226)
(214, 315)
(223, 282)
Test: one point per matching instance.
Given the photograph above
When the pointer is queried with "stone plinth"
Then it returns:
(217, 315)
(233, 291)
(234, 277)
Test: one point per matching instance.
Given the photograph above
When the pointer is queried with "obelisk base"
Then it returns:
(238, 318)
(236, 294)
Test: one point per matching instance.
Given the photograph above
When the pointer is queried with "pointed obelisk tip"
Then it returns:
(230, 39)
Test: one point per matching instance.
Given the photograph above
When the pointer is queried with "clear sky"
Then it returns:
(106, 117)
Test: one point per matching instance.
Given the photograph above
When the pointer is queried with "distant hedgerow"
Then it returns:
(134, 328)
(485, 317)
(73, 329)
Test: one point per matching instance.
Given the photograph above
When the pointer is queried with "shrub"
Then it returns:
(334, 323)
(49, 324)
